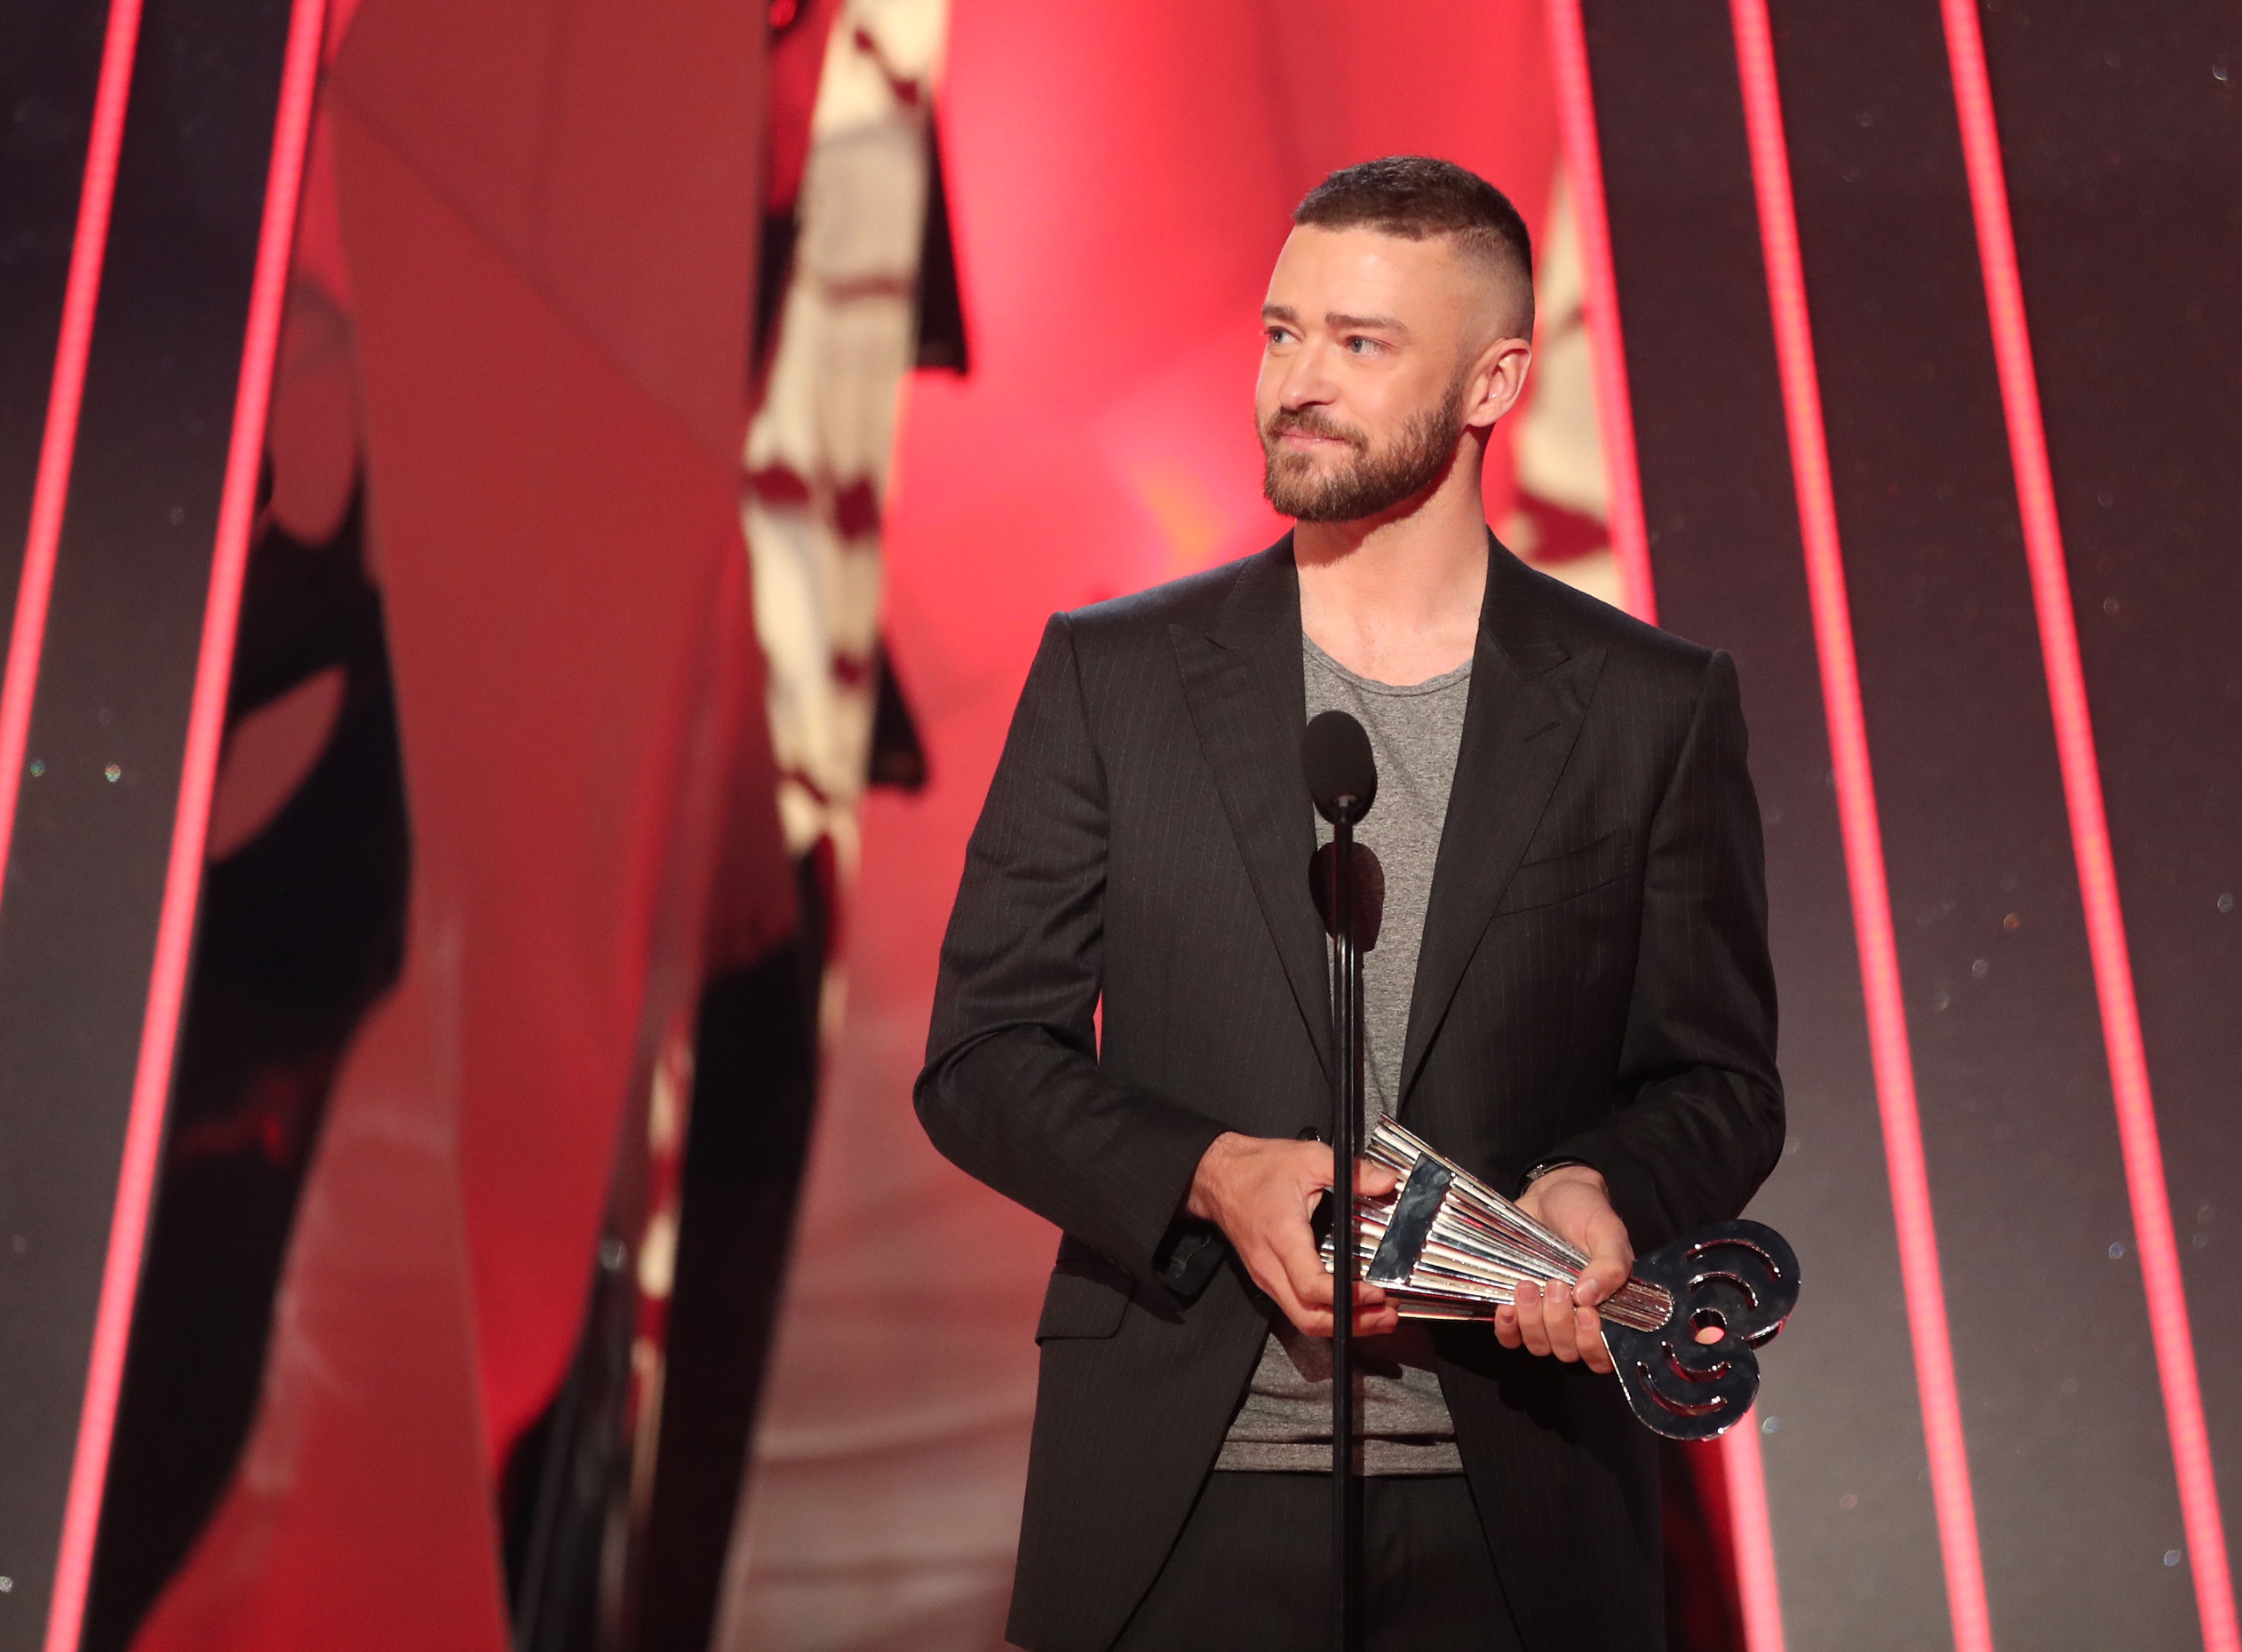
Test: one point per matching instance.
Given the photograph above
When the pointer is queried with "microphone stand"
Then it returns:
(1340, 768)
(1346, 1125)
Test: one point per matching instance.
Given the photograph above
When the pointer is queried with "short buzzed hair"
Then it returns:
(1416, 197)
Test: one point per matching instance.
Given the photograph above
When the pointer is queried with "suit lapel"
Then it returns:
(1530, 693)
(1243, 681)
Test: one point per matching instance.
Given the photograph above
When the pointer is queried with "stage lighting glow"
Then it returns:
(1889, 1049)
(58, 444)
(183, 876)
(2106, 945)
(1614, 407)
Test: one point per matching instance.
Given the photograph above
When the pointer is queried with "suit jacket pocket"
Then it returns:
(1086, 1297)
(1568, 874)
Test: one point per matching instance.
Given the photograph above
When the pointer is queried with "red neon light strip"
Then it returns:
(1615, 406)
(1888, 1049)
(51, 487)
(2090, 835)
(183, 878)
(1751, 1533)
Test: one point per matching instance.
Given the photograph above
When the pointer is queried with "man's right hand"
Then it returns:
(1261, 1194)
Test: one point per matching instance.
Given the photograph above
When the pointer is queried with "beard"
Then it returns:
(1366, 482)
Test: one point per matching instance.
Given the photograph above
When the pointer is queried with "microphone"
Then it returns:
(1341, 774)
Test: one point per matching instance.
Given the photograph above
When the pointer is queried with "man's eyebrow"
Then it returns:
(1340, 323)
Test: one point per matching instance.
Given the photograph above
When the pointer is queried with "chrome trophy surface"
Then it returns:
(1445, 1245)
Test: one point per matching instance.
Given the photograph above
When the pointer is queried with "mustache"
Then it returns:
(1312, 422)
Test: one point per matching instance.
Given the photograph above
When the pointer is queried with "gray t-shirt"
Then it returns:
(1285, 1423)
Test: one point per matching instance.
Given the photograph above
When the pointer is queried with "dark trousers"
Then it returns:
(1251, 1570)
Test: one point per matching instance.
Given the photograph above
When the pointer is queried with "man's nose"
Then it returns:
(1306, 383)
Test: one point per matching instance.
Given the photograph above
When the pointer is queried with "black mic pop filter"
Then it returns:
(1342, 776)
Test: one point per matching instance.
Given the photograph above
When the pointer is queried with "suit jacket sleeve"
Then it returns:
(1012, 1091)
(1702, 1125)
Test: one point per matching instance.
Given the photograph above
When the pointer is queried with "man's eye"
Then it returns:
(1361, 347)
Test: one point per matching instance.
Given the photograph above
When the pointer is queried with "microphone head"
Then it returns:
(1341, 774)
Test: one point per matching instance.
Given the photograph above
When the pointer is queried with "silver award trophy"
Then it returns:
(1445, 1245)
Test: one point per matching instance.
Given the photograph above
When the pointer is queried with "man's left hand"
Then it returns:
(1561, 1320)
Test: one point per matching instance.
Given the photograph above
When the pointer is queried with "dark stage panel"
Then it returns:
(1856, 1546)
(50, 62)
(2052, 1352)
(2119, 139)
(2118, 127)
(93, 830)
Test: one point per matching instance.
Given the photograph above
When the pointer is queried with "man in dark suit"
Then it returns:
(1569, 993)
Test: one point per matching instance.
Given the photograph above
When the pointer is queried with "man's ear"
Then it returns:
(1499, 375)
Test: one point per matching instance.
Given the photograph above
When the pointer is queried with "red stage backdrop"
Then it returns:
(1121, 179)
(548, 214)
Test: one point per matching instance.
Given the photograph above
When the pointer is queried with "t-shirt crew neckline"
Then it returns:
(1370, 685)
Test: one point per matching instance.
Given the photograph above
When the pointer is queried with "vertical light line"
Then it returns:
(1615, 405)
(1755, 1535)
(2137, 1136)
(1888, 1049)
(183, 876)
(58, 445)
(1751, 1533)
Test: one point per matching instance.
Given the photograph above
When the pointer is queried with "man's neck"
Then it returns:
(1396, 598)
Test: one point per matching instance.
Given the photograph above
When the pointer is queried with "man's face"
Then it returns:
(1372, 345)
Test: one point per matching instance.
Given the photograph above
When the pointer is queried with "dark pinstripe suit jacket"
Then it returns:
(1593, 983)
